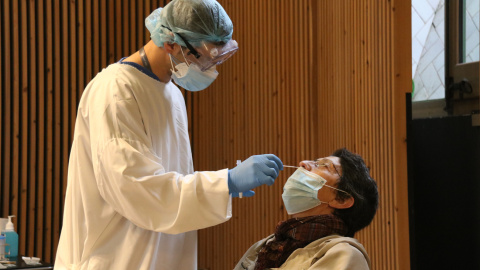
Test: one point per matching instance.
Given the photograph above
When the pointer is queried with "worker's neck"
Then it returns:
(159, 61)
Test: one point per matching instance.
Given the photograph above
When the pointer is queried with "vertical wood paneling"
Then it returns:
(96, 43)
(23, 123)
(111, 33)
(64, 77)
(103, 35)
(50, 50)
(53, 73)
(324, 78)
(2, 80)
(32, 188)
(400, 79)
(7, 104)
(40, 178)
(117, 26)
(310, 77)
(14, 199)
(50, 142)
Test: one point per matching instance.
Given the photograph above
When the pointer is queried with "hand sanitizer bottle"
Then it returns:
(11, 239)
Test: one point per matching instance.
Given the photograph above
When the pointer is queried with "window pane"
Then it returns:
(428, 49)
(470, 31)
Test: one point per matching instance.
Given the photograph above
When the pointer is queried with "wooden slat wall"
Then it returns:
(310, 76)
(49, 51)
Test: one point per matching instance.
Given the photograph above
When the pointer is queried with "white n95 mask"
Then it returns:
(191, 77)
(300, 191)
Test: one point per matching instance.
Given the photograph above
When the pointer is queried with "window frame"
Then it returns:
(454, 102)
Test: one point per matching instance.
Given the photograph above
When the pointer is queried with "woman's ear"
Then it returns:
(342, 204)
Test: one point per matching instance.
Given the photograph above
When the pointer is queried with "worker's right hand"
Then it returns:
(253, 172)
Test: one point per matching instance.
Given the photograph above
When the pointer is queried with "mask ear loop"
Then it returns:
(173, 59)
(171, 62)
(186, 61)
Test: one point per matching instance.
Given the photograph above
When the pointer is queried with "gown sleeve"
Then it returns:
(132, 180)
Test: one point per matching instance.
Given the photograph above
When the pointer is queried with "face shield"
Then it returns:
(209, 54)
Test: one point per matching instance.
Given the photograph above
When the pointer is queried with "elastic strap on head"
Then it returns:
(189, 46)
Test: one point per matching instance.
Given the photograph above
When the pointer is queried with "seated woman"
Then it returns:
(329, 200)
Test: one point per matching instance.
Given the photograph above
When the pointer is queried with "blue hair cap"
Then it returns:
(194, 20)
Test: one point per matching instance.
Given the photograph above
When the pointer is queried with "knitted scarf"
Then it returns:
(297, 233)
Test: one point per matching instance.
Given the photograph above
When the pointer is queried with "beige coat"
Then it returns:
(332, 252)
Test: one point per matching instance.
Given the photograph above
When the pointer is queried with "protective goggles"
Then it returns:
(209, 54)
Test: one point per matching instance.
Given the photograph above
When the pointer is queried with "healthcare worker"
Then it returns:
(133, 200)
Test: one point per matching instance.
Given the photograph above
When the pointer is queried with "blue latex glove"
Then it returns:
(253, 172)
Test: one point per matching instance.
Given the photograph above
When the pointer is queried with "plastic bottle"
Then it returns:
(3, 224)
(11, 239)
(2, 247)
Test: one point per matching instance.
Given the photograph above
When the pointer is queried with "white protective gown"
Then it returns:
(133, 200)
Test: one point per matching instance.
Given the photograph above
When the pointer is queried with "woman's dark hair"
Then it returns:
(357, 181)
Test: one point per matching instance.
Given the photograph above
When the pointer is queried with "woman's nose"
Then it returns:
(306, 164)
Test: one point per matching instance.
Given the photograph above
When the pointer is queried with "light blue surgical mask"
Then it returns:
(300, 191)
(191, 77)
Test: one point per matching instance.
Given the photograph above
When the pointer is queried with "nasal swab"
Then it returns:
(240, 194)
